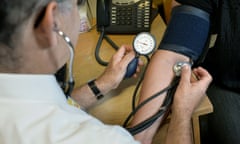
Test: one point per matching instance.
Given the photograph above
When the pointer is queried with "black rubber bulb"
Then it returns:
(132, 67)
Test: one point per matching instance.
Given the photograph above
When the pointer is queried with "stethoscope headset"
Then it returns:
(68, 85)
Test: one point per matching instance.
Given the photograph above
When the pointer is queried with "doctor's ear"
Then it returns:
(44, 24)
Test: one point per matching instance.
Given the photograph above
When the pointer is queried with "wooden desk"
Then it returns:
(114, 110)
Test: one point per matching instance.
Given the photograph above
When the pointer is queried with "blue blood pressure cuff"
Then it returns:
(187, 31)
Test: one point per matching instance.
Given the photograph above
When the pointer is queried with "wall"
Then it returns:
(92, 6)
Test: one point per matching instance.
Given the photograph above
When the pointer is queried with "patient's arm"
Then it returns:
(158, 76)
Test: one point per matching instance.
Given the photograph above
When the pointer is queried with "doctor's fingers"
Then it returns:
(123, 52)
(204, 78)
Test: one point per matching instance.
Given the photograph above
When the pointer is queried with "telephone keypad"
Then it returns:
(125, 16)
(122, 15)
(130, 18)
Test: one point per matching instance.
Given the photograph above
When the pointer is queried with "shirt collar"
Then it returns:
(31, 87)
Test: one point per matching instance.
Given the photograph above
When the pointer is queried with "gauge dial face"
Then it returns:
(144, 43)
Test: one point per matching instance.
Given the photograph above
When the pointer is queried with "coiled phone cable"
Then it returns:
(99, 43)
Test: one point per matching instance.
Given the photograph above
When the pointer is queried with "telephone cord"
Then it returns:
(99, 43)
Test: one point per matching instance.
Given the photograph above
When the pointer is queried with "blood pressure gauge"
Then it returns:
(144, 43)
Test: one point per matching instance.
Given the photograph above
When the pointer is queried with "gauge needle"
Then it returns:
(142, 43)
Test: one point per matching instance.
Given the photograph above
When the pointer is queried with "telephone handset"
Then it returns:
(123, 16)
(103, 13)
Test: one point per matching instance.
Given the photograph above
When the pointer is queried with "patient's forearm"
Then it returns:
(158, 76)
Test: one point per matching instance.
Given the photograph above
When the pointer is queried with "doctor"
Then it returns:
(34, 44)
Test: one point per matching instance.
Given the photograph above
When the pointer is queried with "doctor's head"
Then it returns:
(28, 42)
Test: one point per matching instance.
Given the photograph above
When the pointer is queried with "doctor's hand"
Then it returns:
(190, 91)
(109, 79)
(116, 69)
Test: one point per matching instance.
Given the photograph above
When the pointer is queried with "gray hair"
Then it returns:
(14, 13)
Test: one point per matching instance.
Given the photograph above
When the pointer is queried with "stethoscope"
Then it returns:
(144, 44)
(70, 82)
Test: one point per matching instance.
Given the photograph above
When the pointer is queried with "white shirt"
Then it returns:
(34, 110)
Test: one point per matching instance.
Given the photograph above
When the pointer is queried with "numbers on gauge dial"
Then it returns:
(144, 43)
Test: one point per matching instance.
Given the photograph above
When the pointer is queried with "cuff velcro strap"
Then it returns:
(95, 89)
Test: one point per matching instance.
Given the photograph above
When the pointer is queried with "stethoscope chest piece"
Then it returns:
(177, 68)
